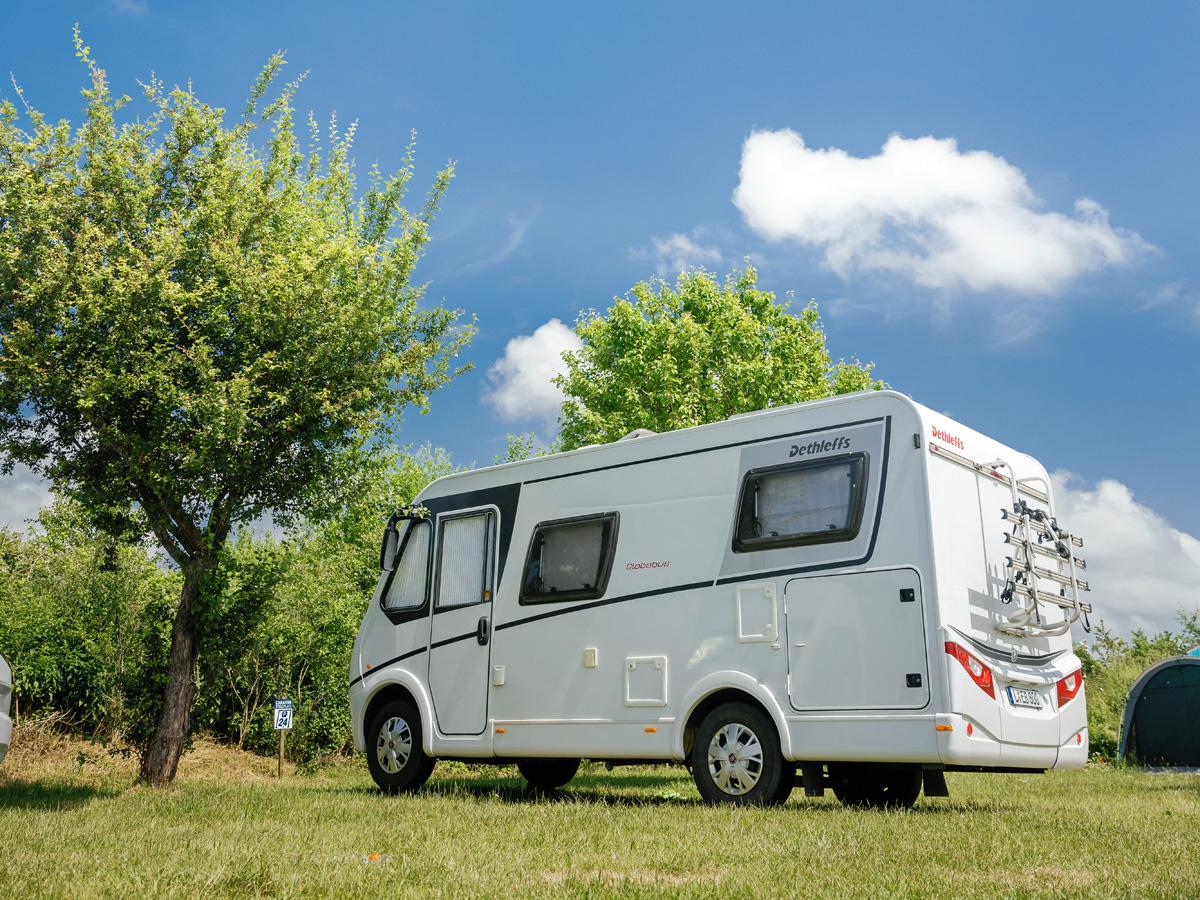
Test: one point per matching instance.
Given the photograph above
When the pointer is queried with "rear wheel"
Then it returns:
(736, 758)
(875, 788)
(394, 753)
(548, 774)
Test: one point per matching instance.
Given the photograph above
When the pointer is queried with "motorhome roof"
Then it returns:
(622, 446)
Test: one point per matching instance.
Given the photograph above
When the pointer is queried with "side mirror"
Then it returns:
(387, 550)
(388, 546)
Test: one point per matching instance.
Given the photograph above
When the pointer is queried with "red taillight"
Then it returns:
(1069, 687)
(979, 673)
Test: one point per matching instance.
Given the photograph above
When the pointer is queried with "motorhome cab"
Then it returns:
(855, 593)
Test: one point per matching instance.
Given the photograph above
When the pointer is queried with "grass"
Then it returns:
(76, 826)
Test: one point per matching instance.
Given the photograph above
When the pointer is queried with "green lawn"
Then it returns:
(229, 829)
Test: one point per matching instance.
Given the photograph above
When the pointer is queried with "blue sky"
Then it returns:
(994, 203)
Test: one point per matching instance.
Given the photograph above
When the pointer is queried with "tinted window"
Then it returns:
(810, 503)
(407, 589)
(570, 559)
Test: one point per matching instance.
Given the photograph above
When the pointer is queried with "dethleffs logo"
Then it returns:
(948, 438)
(820, 447)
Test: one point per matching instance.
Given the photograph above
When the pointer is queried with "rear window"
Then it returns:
(813, 502)
(570, 559)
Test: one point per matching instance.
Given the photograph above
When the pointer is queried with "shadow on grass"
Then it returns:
(615, 790)
(46, 794)
(1168, 782)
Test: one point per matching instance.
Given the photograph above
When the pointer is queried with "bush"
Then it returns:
(81, 614)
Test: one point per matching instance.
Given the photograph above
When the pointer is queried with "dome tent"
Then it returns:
(1161, 725)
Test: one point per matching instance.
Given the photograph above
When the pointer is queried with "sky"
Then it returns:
(993, 203)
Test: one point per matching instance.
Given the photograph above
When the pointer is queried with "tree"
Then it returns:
(201, 328)
(695, 352)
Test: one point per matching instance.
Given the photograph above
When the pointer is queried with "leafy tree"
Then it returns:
(202, 328)
(524, 446)
(692, 353)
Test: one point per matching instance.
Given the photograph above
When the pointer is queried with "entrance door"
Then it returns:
(857, 641)
(460, 641)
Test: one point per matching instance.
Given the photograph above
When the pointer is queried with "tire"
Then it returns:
(872, 788)
(394, 754)
(736, 758)
(787, 781)
(548, 774)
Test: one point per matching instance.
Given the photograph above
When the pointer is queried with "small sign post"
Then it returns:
(283, 722)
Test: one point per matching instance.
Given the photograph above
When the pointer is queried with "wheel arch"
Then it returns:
(410, 691)
(726, 687)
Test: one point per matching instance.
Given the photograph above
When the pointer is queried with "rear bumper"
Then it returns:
(5, 734)
(964, 742)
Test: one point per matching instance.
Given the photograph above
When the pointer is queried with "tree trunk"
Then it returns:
(174, 726)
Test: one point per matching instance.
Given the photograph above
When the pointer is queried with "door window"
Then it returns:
(465, 560)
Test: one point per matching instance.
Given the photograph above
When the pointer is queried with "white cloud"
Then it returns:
(518, 227)
(924, 210)
(521, 381)
(677, 252)
(1141, 571)
(22, 495)
(1177, 297)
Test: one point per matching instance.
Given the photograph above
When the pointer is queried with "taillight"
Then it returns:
(979, 673)
(1069, 687)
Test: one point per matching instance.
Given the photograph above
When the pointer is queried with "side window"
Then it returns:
(465, 559)
(407, 590)
(809, 503)
(570, 559)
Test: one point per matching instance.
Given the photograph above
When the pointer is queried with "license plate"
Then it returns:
(1025, 697)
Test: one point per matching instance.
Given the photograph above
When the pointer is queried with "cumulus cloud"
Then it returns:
(924, 210)
(521, 386)
(1141, 571)
(22, 495)
(677, 252)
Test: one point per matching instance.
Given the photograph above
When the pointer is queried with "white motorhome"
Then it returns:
(855, 593)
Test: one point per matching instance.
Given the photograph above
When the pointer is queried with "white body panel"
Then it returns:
(842, 643)
(5, 705)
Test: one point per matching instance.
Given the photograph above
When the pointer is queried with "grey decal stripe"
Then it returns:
(844, 564)
(762, 440)
(388, 662)
(606, 602)
(1028, 659)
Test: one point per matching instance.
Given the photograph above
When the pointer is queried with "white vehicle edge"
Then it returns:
(855, 593)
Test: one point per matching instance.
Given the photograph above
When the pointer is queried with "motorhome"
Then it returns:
(855, 593)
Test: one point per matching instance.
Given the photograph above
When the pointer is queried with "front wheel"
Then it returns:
(548, 774)
(394, 754)
(736, 758)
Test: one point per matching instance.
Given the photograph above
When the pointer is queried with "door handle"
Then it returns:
(482, 630)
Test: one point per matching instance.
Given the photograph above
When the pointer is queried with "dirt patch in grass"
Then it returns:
(42, 750)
